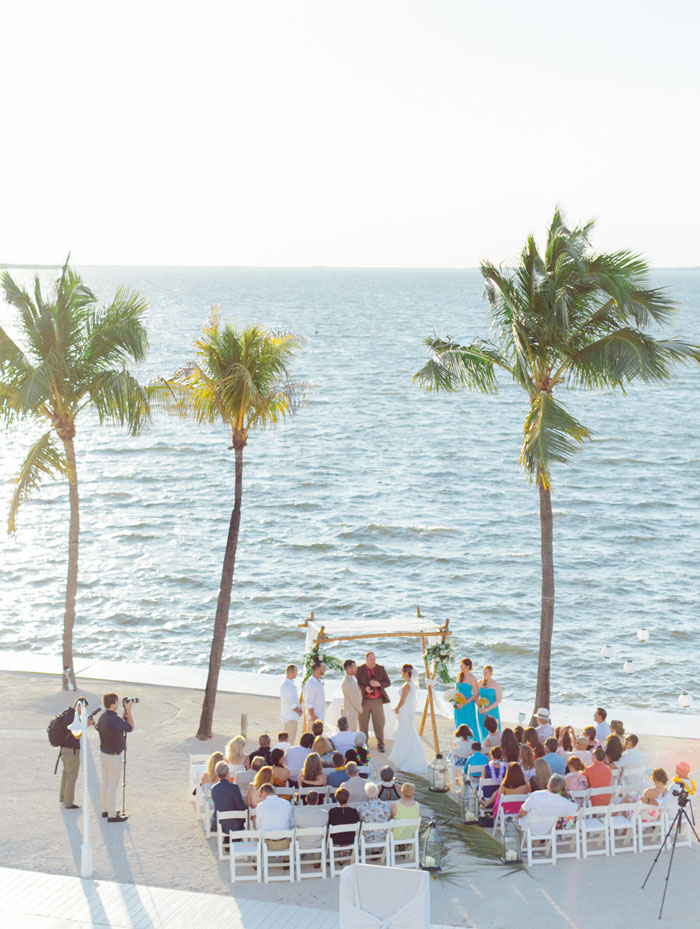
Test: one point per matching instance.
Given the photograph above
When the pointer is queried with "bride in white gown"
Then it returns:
(407, 751)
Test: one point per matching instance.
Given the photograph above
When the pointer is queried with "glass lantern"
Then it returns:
(439, 776)
(512, 843)
(470, 804)
(431, 853)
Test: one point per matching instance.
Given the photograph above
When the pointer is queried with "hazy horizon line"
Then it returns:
(27, 266)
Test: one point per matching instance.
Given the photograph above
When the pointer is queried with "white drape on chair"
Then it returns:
(374, 897)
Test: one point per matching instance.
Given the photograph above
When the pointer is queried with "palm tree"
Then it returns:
(73, 356)
(568, 318)
(239, 378)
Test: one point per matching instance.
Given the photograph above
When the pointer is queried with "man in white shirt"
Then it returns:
(545, 730)
(343, 738)
(297, 755)
(355, 785)
(273, 813)
(631, 757)
(352, 696)
(602, 727)
(548, 803)
(290, 710)
(314, 694)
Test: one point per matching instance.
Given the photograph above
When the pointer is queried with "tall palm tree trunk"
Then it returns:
(547, 613)
(72, 581)
(222, 606)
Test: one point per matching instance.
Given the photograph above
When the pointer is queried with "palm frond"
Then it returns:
(116, 333)
(452, 366)
(118, 397)
(551, 435)
(43, 460)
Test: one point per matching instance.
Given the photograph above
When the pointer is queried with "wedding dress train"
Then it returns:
(407, 751)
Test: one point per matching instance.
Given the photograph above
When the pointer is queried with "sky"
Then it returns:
(390, 133)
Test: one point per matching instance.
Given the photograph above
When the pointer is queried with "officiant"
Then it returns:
(373, 681)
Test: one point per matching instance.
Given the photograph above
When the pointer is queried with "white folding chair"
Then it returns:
(652, 826)
(622, 826)
(631, 782)
(593, 826)
(540, 844)
(245, 856)
(606, 792)
(311, 857)
(365, 770)
(567, 838)
(580, 797)
(374, 843)
(404, 852)
(337, 853)
(281, 859)
(197, 769)
(513, 804)
(305, 791)
(222, 838)
(485, 783)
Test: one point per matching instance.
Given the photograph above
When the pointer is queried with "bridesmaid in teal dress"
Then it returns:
(489, 690)
(468, 686)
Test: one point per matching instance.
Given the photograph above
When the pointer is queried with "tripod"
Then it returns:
(124, 779)
(674, 828)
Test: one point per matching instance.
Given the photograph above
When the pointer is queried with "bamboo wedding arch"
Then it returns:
(345, 630)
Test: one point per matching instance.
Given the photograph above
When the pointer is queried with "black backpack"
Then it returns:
(57, 729)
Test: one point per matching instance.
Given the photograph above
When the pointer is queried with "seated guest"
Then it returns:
(519, 734)
(245, 778)
(556, 763)
(590, 735)
(355, 785)
(495, 770)
(602, 727)
(280, 771)
(226, 796)
(544, 728)
(576, 778)
(324, 749)
(462, 746)
(282, 742)
(373, 810)
(477, 760)
(527, 761)
(582, 751)
(273, 813)
(656, 795)
(510, 746)
(616, 728)
(613, 751)
(541, 776)
(209, 777)
(388, 789)
(514, 784)
(297, 755)
(599, 774)
(533, 740)
(264, 776)
(494, 736)
(343, 815)
(565, 744)
(262, 751)
(338, 775)
(405, 808)
(234, 756)
(317, 728)
(306, 817)
(359, 753)
(344, 738)
(312, 774)
(632, 757)
(549, 803)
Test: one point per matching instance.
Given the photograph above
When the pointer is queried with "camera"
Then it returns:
(682, 794)
(130, 700)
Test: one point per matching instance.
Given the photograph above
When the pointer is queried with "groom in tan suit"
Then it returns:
(352, 698)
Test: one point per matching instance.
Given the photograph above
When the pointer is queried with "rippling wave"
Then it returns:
(375, 499)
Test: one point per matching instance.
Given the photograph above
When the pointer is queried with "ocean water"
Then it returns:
(374, 499)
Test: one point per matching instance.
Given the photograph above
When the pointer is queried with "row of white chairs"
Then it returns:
(596, 830)
(625, 780)
(311, 852)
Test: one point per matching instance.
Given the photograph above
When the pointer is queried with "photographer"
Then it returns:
(112, 729)
(70, 753)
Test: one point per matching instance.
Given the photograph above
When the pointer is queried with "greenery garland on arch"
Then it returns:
(330, 661)
(442, 654)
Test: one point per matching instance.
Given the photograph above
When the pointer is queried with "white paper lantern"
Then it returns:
(629, 666)
(643, 635)
(685, 700)
(606, 651)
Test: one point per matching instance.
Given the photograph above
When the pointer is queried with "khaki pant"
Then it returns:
(111, 775)
(290, 727)
(71, 765)
(277, 844)
(375, 709)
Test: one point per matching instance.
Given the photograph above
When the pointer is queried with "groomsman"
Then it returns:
(290, 711)
(373, 681)
(315, 695)
(352, 698)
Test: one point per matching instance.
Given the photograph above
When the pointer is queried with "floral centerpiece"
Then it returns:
(441, 654)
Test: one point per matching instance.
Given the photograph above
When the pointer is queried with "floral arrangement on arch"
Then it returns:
(442, 655)
(330, 661)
